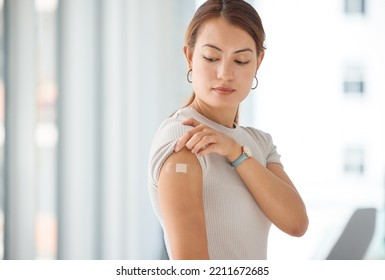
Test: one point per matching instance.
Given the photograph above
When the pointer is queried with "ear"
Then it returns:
(188, 54)
(259, 59)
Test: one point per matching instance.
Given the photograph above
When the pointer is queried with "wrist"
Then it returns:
(245, 154)
(236, 152)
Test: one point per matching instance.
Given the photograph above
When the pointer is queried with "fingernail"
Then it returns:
(176, 149)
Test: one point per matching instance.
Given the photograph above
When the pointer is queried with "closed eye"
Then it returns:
(241, 62)
(210, 59)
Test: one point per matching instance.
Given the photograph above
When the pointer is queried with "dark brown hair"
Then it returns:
(236, 12)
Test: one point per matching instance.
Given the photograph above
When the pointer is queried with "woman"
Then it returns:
(217, 186)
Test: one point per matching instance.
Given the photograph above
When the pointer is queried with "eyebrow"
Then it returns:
(218, 49)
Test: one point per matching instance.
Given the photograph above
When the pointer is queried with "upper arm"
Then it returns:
(181, 205)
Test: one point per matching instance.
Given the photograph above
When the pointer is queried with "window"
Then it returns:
(2, 136)
(354, 161)
(354, 83)
(46, 133)
(354, 87)
(355, 7)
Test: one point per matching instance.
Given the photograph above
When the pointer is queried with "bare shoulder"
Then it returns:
(181, 164)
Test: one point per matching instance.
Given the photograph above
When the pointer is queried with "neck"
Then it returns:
(222, 116)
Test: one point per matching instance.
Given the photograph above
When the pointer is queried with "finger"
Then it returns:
(202, 143)
(183, 140)
(192, 122)
(186, 137)
(190, 138)
(194, 140)
(208, 149)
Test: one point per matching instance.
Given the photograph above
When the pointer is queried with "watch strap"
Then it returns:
(239, 160)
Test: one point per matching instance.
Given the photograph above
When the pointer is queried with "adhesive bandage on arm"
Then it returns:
(172, 167)
(182, 163)
(179, 168)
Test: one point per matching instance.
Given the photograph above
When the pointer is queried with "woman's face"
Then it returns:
(223, 63)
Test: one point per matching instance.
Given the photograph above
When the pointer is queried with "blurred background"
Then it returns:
(84, 84)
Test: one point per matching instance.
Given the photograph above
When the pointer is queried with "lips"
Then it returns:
(223, 90)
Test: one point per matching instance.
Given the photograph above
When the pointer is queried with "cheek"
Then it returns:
(202, 73)
(247, 78)
(250, 72)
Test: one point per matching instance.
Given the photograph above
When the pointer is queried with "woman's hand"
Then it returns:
(203, 140)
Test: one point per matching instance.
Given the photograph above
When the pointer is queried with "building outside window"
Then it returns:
(354, 161)
(354, 82)
(355, 7)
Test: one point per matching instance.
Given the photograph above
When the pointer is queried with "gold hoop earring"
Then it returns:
(189, 76)
(256, 85)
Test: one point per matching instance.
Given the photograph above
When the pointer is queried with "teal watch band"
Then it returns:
(239, 160)
(246, 153)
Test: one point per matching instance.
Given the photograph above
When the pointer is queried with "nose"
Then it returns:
(225, 71)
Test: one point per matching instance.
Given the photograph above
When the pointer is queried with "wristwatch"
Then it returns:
(246, 153)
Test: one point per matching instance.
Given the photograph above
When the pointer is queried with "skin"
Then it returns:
(224, 62)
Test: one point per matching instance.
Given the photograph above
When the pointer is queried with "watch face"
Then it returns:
(247, 151)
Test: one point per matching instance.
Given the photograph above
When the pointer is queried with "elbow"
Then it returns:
(299, 232)
(300, 227)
